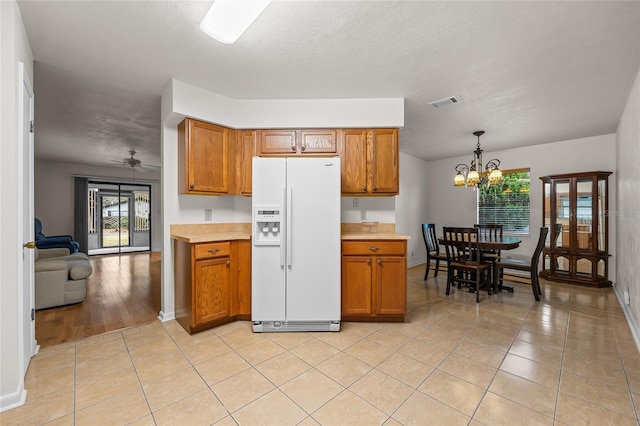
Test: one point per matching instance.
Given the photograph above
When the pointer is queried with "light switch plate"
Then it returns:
(208, 215)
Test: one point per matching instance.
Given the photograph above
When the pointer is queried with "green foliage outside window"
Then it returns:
(507, 203)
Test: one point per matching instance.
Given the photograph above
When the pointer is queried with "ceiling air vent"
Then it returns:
(445, 101)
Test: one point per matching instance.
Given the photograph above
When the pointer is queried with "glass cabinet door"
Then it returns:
(584, 214)
(602, 212)
(547, 212)
(563, 214)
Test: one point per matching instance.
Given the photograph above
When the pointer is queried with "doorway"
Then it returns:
(119, 217)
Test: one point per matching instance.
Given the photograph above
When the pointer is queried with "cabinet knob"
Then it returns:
(379, 262)
(228, 262)
(368, 261)
(375, 188)
(364, 189)
(374, 248)
(191, 186)
(303, 148)
(293, 147)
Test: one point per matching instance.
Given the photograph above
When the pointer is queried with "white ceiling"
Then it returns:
(525, 72)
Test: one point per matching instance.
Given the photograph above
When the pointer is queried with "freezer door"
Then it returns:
(313, 250)
(267, 261)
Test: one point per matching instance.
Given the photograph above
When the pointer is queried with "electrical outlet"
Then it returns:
(363, 215)
(208, 215)
(356, 202)
(411, 254)
(627, 299)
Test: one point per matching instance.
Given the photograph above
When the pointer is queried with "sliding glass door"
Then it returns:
(119, 217)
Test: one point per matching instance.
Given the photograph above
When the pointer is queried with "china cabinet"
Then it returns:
(576, 213)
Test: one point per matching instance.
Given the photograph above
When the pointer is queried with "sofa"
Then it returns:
(55, 241)
(60, 277)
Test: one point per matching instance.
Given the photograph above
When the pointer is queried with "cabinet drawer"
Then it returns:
(374, 247)
(210, 250)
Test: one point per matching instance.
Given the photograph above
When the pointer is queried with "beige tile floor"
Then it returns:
(568, 360)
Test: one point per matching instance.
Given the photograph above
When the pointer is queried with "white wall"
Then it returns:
(180, 100)
(14, 48)
(627, 209)
(451, 206)
(54, 194)
(411, 206)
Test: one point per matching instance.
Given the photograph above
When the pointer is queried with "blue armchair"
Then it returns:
(56, 241)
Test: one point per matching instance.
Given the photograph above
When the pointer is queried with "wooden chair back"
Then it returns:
(489, 231)
(461, 244)
(430, 239)
(535, 259)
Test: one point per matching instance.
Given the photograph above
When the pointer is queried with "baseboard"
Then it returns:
(164, 316)
(633, 325)
(15, 399)
(416, 263)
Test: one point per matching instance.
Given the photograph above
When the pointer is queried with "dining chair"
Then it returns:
(433, 248)
(530, 266)
(464, 266)
(490, 231)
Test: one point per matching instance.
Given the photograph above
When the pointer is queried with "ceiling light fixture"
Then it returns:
(226, 20)
(473, 175)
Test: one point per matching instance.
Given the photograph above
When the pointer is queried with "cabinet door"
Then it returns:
(277, 142)
(207, 147)
(390, 285)
(241, 278)
(318, 142)
(211, 290)
(356, 285)
(247, 146)
(384, 162)
(353, 161)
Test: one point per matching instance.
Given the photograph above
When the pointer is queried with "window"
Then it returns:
(507, 203)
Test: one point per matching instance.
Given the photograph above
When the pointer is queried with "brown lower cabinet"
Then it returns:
(212, 283)
(374, 280)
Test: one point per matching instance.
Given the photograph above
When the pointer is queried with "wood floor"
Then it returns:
(122, 291)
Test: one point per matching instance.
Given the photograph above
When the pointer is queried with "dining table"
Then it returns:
(497, 243)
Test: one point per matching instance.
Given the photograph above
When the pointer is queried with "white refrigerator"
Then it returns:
(295, 257)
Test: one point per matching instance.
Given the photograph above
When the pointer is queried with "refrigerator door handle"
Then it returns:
(289, 208)
(283, 198)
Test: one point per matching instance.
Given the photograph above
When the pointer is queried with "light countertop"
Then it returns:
(379, 231)
(204, 233)
(210, 232)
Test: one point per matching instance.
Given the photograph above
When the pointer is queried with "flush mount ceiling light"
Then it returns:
(226, 20)
(473, 175)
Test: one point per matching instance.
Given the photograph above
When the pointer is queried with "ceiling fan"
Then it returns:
(134, 163)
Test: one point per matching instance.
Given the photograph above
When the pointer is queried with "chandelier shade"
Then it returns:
(474, 175)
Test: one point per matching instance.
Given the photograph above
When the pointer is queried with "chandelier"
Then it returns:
(473, 175)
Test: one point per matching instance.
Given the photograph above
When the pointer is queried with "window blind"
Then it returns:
(506, 204)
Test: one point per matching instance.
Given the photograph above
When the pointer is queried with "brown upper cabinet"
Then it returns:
(369, 161)
(307, 142)
(214, 160)
(246, 150)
